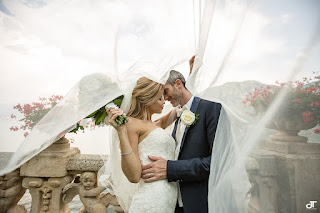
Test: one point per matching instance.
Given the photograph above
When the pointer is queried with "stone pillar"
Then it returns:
(46, 193)
(285, 176)
(46, 175)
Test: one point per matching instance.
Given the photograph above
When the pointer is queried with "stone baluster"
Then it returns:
(46, 193)
(284, 176)
(46, 175)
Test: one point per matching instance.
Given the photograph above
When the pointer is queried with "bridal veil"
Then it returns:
(100, 48)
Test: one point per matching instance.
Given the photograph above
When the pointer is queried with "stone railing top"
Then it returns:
(78, 163)
(86, 162)
(290, 147)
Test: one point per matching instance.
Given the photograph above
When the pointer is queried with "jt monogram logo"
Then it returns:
(311, 205)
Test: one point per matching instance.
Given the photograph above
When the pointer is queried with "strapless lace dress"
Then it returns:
(159, 196)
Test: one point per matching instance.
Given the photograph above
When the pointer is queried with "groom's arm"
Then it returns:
(197, 169)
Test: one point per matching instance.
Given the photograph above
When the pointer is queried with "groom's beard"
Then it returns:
(177, 97)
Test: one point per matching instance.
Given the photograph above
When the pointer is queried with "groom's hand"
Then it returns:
(191, 62)
(157, 170)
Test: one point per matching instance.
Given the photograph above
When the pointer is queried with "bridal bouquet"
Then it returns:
(99, 117)
(34, 112)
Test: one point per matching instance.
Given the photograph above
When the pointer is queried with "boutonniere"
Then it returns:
(188, 118)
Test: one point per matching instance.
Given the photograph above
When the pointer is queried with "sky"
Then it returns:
(46, 46)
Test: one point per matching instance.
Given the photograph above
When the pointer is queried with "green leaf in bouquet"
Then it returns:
(75, 130)
(98, 115)
(118, 101)
(92, 114)
(81, 127)
(101, 118)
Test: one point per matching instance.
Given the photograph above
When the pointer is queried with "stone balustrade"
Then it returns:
(53, 178)
(284, 175)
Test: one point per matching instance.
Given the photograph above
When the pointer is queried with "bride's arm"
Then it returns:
(128, 136)
(167, 119)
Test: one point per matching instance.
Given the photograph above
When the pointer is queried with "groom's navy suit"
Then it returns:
(192, 168)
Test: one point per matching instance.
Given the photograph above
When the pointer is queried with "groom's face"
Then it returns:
(172, 93)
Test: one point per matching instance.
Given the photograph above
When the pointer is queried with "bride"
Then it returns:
(141, 137)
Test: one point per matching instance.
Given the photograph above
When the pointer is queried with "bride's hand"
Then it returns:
(175, 111)
(112, 115)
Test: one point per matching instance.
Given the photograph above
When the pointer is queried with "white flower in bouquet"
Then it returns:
(121, 119)
(84, 122)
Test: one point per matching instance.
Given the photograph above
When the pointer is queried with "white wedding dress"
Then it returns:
(159, 196)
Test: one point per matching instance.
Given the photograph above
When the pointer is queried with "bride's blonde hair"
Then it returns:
(145, 93)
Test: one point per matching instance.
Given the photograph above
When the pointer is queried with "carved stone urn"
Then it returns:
(288, 128)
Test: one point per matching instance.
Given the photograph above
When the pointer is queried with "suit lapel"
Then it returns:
(193, 109)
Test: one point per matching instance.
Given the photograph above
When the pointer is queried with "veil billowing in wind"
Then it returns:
(239, 46)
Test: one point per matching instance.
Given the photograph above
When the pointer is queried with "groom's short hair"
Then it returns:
(175, 75)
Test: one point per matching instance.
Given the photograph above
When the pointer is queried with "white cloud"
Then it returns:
(285, 17)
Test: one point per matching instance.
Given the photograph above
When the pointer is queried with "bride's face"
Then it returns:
(157, 106)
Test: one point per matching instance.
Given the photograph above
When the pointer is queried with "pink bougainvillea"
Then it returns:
(32, 113)
(301, 100)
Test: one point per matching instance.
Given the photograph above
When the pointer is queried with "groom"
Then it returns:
(191, 169)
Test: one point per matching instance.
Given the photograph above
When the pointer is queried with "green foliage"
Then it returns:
(196, 119)
(75, 130)
(99, 115)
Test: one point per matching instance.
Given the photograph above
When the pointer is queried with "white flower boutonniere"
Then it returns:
(188, 118)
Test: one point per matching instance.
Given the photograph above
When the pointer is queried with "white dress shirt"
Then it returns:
(179, 135)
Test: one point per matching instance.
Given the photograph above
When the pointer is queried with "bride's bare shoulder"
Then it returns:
(134, 124)
(133, 120)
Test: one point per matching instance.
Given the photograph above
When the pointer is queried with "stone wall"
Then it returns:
(285, 177)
